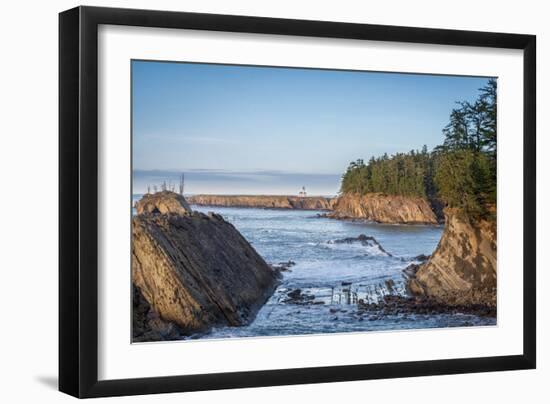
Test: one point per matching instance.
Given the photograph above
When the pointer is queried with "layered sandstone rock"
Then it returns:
(147, 325)
(264, 201)
(384, 208)
(462, 269)
(195, 270)
(163, 202)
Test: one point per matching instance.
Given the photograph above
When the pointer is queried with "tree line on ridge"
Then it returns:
(461, 172)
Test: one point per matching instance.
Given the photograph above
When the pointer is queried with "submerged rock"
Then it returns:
(421, 258)
(297, 297)
(411, 270)
(196, 270)
(367, 241)
(283, 266)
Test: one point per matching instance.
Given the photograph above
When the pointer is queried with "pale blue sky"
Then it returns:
(248, 121)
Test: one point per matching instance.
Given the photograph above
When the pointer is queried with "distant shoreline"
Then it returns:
(265, 201)
(375, 207)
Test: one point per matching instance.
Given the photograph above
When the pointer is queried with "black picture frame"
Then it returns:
(78, 201)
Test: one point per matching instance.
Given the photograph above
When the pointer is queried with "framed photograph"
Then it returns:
(250, 201)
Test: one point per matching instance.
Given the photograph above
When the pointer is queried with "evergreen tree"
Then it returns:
(461, 172)
(489, 127)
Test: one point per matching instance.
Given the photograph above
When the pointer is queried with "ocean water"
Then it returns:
(333, 275)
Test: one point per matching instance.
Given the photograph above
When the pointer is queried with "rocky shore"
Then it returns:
(392, 304)
(381, 208)
(396, 305)
(192, 271)
(264, 201)
(462, 270)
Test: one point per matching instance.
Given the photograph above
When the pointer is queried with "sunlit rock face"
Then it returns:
(384, 208)
(163, 202)
(463, 268)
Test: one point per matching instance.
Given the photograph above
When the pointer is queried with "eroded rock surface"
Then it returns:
(462, 269)
(384, 208)
(147, 324)
(196, 270)
(264, 201)
(163, 202)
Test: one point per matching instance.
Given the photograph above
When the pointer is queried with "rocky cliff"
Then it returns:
(194, 270)
(146, 323)
(264, 201)
(462, 269)
(384, 208)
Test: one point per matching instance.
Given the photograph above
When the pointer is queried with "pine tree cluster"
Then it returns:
(461, 172)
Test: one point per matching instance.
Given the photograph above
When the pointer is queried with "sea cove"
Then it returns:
(324, 269)
(278, 202)
(332, 270)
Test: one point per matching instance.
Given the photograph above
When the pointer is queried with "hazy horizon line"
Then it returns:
(238, 182)
(233, 171)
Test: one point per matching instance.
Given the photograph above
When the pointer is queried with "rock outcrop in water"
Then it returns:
(264, 201)
(366, 241)
(194, 270)
(462, 269)
(384, 208)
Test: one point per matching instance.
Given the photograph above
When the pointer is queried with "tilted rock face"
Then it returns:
(264, 201)
(462, 270)
(147, 324)
(197, 271)
(163, 202)
(384, 208)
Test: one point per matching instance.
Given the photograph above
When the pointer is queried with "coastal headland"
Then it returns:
(264, 201)
(376, 207)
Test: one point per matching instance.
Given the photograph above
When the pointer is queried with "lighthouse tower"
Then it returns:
(303, 192)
